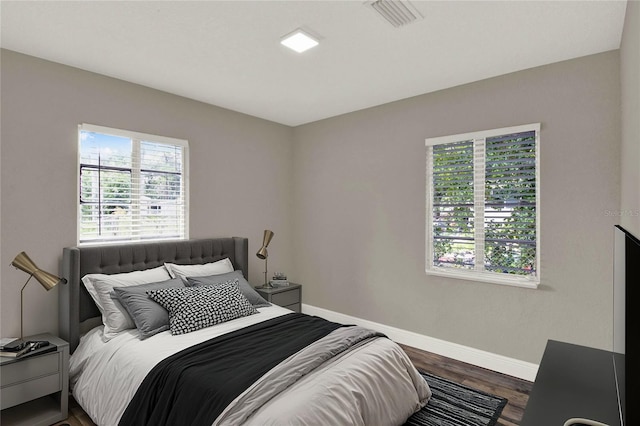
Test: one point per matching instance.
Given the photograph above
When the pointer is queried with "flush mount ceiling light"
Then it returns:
(299, 41)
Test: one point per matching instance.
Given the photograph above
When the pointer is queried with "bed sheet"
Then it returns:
(104, 376)
(375, 384)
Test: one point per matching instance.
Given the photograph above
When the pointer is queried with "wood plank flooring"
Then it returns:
(514, 389)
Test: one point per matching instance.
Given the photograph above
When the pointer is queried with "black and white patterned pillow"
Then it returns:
(193, 308)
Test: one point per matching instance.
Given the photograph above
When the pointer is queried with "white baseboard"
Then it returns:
(502, 364)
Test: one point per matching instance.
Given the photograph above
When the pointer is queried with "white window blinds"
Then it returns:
(482, 206)
(133, 186)
(453, 204)
(510, 204)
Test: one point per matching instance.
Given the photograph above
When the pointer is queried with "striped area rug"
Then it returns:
(453, 404)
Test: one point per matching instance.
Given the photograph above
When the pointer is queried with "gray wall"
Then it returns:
(345, 196)
(239, 168)
(630, 82)
(359, 199)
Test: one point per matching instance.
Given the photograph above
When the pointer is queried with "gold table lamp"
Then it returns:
(48, 280)
(263, 254)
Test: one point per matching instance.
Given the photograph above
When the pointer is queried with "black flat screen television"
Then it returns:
(625, 295)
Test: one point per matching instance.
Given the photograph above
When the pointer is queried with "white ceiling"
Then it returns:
(227, 53)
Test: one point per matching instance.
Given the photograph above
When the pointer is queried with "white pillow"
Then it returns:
(114, 316)
(183, 271)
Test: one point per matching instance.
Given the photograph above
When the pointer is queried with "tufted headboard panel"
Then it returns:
(76, 305)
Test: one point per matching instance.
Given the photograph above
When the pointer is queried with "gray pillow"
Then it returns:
(149, 317)
(245, 288)
(193, 308)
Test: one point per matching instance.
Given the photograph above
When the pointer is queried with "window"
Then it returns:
(132, 186)
(482, 220)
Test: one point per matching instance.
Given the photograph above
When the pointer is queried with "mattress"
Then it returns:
(372, 383)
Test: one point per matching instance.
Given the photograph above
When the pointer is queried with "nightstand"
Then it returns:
(288, 297)
(35, 389)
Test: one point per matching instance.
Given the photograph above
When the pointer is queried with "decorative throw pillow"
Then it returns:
(214, 268)
(114, 316)
(245, 288)
(193, 308)
(150, 317)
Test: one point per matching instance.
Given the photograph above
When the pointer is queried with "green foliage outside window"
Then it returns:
(509, 205)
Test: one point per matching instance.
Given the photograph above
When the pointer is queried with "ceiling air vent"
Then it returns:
(397, 12)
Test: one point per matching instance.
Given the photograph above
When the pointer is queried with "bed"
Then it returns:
(268, 366)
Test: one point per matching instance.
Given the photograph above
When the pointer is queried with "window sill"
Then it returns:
(486, 277)
(126, 241)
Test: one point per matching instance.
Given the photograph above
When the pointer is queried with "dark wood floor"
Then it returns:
(514, 389)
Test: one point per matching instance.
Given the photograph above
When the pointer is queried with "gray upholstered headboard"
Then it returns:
(76, 305)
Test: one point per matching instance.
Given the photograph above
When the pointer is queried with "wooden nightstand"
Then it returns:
(288, 297)
(35, 389)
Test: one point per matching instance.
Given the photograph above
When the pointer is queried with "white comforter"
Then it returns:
(374, 384)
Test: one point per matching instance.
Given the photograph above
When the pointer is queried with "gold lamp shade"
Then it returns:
(24, 263)
(262, 253)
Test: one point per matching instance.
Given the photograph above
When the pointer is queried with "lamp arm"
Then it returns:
(22, 305)
(265, 270)
(25, 284)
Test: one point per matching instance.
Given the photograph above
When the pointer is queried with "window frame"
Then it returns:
(137, 138)
(479, 274)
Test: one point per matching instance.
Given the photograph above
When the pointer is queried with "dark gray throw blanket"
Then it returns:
(195, 385)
